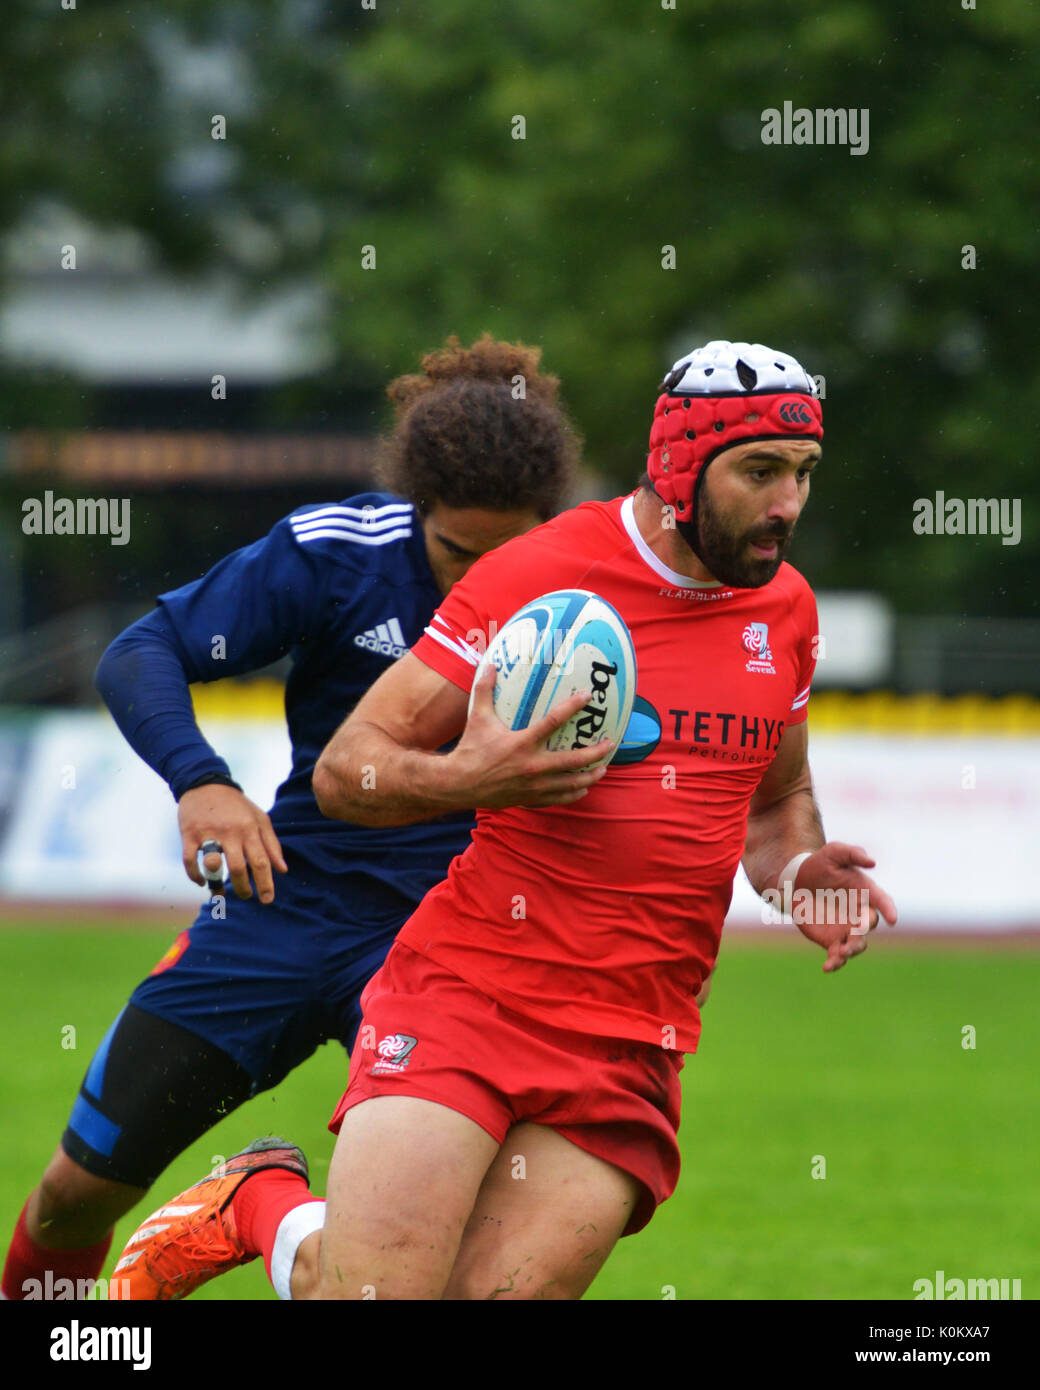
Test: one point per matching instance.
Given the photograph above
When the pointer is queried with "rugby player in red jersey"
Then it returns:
(514, 1094)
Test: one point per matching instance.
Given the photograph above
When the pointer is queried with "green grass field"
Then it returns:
(930, 1148)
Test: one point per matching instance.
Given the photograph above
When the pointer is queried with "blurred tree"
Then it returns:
(399, 128)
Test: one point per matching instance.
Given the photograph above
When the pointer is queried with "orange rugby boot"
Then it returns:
(192, 1239)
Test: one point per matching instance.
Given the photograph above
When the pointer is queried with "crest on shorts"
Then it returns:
(392, 1053)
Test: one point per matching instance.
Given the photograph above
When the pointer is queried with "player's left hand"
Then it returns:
(240, 827)
(836, 904)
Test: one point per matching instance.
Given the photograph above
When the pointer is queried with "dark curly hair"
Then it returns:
(480, 427)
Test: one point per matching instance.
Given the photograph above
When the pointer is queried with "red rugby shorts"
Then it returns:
(428, 1034)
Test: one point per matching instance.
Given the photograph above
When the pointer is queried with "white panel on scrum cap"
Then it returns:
(713, 369)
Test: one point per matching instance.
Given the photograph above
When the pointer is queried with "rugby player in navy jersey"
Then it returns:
(248, 993)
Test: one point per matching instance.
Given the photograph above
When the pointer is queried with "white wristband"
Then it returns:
(788, 874)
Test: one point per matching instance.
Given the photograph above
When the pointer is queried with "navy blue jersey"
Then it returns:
(345, 589)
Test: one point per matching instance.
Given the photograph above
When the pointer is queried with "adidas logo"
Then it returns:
(385, 638)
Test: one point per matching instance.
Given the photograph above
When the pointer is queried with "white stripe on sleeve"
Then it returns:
(455, 645)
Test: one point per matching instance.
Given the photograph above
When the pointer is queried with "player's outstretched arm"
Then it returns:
(832, 901)
(381, 766)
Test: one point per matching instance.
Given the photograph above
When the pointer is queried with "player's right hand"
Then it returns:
(244, 831)
(502, 767)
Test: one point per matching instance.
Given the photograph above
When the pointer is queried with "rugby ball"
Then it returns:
(554, 647)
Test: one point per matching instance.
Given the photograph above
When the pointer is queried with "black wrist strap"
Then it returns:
(220, 778)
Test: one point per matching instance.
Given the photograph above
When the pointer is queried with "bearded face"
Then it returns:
(741, 556)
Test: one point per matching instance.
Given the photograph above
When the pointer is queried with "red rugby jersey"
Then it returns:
(605, 916)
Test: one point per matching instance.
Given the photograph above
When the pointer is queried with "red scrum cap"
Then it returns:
(720, 395)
